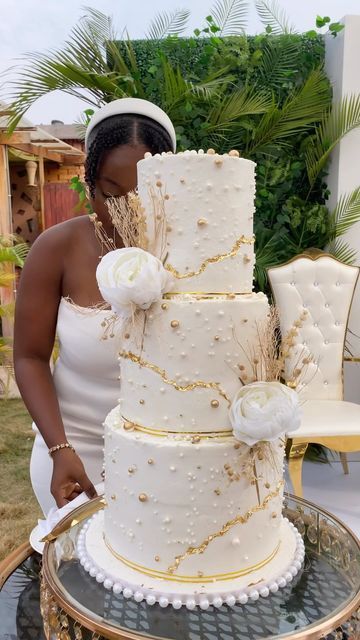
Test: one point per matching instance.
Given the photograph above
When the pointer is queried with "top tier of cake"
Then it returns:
(209, 207)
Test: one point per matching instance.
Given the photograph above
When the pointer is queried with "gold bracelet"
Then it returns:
(57, 447)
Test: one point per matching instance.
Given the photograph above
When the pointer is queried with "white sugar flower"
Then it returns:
(264, 411)
(132, 278)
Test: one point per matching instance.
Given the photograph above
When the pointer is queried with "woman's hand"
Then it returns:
(69, 478)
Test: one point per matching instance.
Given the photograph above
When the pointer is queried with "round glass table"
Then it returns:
(322, 602)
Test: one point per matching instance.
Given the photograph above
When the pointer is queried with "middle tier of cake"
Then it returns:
(180, 367)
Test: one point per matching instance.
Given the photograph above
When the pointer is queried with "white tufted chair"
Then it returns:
(324, 287)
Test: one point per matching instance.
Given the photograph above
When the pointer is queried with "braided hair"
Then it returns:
(119, 130)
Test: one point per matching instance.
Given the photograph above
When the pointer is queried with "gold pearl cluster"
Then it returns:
(231, 473)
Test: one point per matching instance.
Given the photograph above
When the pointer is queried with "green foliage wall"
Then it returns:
(290, 216)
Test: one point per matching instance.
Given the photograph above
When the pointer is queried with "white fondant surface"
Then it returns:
(211, 339)
(217, 190)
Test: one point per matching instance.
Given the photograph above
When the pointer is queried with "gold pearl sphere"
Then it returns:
(174, 323)
(143, 497)
(234, 153)
(214, 403)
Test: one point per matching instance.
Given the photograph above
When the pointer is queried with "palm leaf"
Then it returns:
(304, 107)
(176, 89)
(279, 60)
(271, 14)
(345, 214)
(230, 16)
(240, 102)
(15, 255)
(342, 251)
(270, 251)
(168, 24)
(339, 121)
(89, 67)
(7, 310)
(6, 279)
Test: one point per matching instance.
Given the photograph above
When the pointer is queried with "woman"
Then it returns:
(58, 294)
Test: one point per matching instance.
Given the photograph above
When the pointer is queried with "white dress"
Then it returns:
(86, 378)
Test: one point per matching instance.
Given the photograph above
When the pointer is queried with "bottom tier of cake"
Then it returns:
(191, 518)
(191, 507)
(96, 558)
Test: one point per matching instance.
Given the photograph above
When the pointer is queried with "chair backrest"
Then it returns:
(323, 287)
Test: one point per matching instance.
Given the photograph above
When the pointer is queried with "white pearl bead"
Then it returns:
(243, 598)
(274, 588)
(138, 596)
(108, 583)
(93, 571)
(177, 604)
(254, 595)
(281, 582)
(264, 592)
(127, 592)
(163, 601)
(150, 599)
(204, 604)
(190, 604)
(117, 588)
(217, 602)
(230, 600)
(100, 577)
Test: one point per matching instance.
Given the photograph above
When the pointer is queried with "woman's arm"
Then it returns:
(35, 325)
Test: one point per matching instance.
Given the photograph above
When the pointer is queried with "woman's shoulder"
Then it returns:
(62, 235)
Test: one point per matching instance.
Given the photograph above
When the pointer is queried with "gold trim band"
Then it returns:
(129, 425)
(206, 294)
(161, 575)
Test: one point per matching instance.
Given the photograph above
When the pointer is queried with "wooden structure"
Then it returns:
(28, 209)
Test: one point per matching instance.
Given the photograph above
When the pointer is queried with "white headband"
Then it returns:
(132, 106)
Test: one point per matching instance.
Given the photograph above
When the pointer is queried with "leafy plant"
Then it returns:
(12, 253)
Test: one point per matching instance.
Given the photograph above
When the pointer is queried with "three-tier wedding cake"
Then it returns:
(194, 510)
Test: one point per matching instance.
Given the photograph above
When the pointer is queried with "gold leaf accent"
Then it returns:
(240, 519)
(214, 259)
(199, 384)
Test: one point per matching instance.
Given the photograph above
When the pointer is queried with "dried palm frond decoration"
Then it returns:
(135, 226)
(272, 358)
